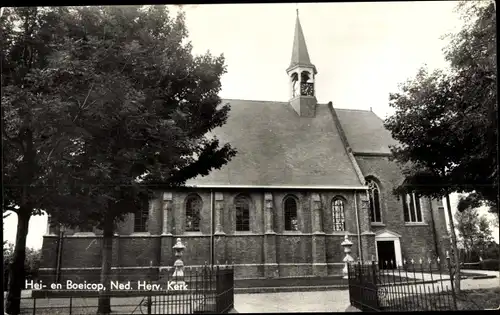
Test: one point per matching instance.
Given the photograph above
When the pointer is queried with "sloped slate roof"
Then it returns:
(276, 147)
(365, 131)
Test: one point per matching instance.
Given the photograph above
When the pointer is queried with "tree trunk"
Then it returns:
(455, 258)
(104, 303)
(16, 272)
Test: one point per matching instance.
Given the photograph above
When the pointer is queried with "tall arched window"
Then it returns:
(374, 195)
(242, 206)
(290, 209)
(411, 208)
(141, 217)
(338, 214)
(194, 204)
(295, 84)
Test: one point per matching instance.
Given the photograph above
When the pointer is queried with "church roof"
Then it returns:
(365, 131)
(277, 147)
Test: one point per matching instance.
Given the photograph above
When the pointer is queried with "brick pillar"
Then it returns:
(367, 236)
(271, 269)
(155, 215)
(368, 246)
(220, 240)
(364, 213)
(318, 240)
(167, 239)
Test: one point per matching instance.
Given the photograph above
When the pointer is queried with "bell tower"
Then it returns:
(301, 74)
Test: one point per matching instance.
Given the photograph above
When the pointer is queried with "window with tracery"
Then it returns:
(338, 215)
(141, 217)
(242, 206)
(374, 200)
(290, 209)
(194, 205)
(411, 208)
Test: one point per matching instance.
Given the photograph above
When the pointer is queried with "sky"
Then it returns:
(362, 51)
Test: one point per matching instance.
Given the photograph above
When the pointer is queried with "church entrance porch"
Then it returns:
(386, 254)
(388, 247)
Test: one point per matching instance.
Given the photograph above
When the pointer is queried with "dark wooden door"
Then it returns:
(386, 254)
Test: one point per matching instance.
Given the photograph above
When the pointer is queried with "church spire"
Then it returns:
(300, 55)
(301, 74)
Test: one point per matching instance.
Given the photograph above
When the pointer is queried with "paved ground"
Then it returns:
(313, 301)
(334, 300)
(322, 301)
(486, 272)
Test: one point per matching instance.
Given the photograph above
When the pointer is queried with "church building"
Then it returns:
(305, 175)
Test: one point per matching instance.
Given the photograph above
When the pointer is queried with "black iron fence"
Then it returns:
(412, 286)
(207, 289)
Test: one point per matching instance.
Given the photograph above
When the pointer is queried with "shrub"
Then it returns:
(31, 264)
(490, 264)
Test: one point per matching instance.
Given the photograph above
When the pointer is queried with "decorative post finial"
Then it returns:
(179, 264)
(346, 244)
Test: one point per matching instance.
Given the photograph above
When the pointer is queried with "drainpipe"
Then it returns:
(59, 254)
(360, 249)
(212, 253)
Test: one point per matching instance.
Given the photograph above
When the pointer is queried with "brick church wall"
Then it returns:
(417, 240)
(255, 253)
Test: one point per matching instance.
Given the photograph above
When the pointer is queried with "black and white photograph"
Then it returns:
(250, 158)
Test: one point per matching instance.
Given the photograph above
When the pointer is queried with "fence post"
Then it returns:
(149, 304)
(346, 244)
(179, 264)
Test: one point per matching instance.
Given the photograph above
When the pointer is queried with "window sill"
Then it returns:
(292, 232)
(140, 234)
(341, 233)
(193, 233)
(416, 224)
(242, 233)
(377, 224)
(83, 234)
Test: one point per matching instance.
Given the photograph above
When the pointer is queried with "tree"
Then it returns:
(475, 233)
(485, 234)
(141, 110)
(467, 226)
(446, 121)
(33, 123)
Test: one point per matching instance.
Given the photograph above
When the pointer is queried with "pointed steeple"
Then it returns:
(301, 74)
(300, 55)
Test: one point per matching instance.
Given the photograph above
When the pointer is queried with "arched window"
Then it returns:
(194, 204)
(411, 208)
(305, 76)
(242, 206)
(374, 195)
(141, 218)
(338, 215)
(295, 84)
(291, 220)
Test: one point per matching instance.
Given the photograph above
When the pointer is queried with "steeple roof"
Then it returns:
(300, 55)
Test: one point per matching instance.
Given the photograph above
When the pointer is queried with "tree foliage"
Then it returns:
(474, 232)
(100, 106)
(446, 120)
